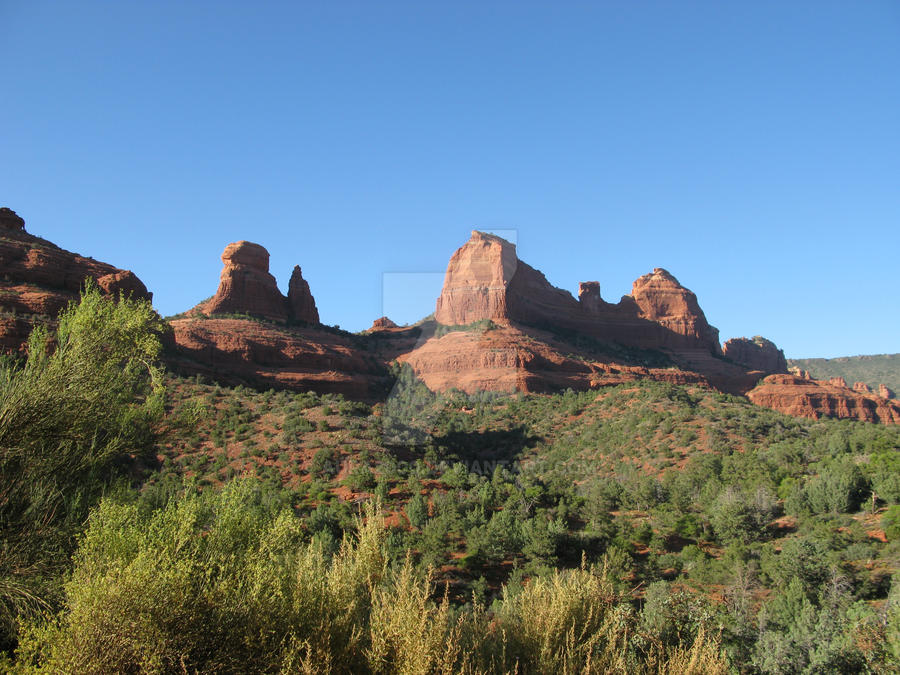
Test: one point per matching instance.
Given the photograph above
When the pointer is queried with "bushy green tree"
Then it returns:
(81, 401)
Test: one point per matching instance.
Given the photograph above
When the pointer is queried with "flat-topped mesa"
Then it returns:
(301, 304)
(756, 353)
(663, 300)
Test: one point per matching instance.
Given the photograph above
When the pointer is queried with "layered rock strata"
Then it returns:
(40, 279)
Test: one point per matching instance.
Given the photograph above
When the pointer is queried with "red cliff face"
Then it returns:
(40, 279)
(884, 392)
(756, 354)
(485, 280)
(801, 397)
(664, 301)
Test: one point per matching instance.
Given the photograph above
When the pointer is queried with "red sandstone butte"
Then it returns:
(246, 287)
(40, 279)
(884, 392)
(486, 280)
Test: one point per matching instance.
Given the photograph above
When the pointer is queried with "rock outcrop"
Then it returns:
(301, 305)
(756, 353)
(10, 220)
(382, 323)
(247, 287)
(510, 358)
(239, 351)
(862, 388)
(801, 397)
(485, 280)
(884, 392)
(40, 279)
(662, 300)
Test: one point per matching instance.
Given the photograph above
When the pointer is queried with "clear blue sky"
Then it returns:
(752, 149)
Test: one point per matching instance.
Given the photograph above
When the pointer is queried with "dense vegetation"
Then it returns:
(639, 528)
(873, 369)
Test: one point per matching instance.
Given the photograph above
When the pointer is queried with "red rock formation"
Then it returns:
(10, 220)
(884, 392)
(862, 388)
(40, 279)
(756, 354)
(301, 305)
(589, 296)
(835, 381)
(509, 358)
(810, 398)
(663, 300)
(485, 280)
(245, 286)
(267, 355)
(382, 323)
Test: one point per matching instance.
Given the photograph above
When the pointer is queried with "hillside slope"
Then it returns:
(873, 369)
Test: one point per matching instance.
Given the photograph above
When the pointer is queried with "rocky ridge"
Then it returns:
(40, 279)
(499, 325)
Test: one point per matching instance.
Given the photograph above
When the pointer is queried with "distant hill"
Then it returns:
(873, 369)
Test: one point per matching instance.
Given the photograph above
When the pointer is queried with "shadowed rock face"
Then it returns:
(756, 354)
(10, 220)
(301, 305)
(246, 287)
(884, 392)
(40, 279)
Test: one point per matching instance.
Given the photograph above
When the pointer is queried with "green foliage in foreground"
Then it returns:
(230, 581)
(66, 415)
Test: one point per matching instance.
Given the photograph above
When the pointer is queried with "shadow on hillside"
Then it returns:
(489, 448)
